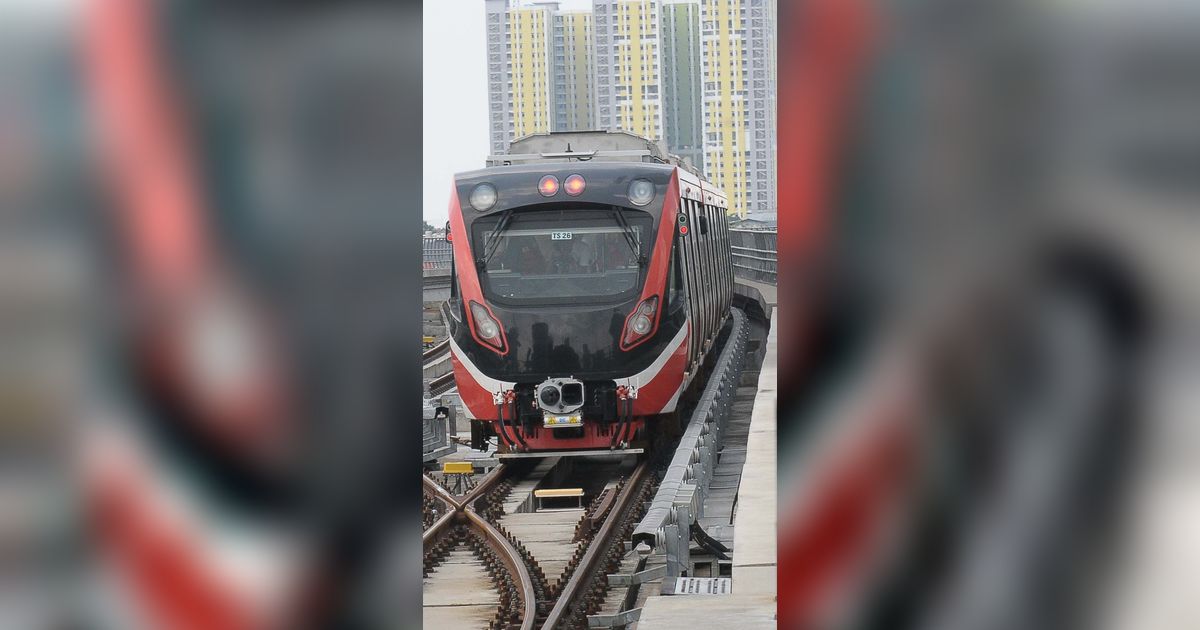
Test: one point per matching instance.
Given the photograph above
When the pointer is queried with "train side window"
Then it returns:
(455, 301)
(688, 265)
(675, 281)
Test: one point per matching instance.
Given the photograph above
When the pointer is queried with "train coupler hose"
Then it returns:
(503, 401)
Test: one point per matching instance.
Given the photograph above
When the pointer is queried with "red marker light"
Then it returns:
(548, 186)
(683, 230)
(574, 185)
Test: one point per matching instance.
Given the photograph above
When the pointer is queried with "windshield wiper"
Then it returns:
(630, 237)
(493, 241)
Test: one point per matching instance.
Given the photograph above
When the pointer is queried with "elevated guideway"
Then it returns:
(752, 600)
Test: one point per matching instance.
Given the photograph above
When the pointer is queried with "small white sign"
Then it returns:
(560, 236)
(703, 586)
(554, 420)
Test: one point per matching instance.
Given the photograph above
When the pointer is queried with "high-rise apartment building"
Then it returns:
(628, 69)
(499, 71)
(532, 65)
(724, 99)
(683, 90)
(539, 70)
(521, 71)
(697, 74)
(739, 101)
(761, 108)
(573, 71)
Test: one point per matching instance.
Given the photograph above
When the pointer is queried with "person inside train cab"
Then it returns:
(561, 260)
(529, 260)
(617, 254)
(583, 253)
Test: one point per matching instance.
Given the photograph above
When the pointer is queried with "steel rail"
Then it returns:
(516, 565)
(445, 495)
(504, 549)
(436, 351)
(430, 535)
(588, 524)
(455, 503)
(441, 384)
(498, 473)
(597, 549)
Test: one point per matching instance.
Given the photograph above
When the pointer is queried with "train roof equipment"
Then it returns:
(584, 146)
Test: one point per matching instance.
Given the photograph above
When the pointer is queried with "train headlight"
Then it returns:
(486, 327)
(483, 197)
(641, 192)
(640, 324)
(221, 350)
(548, 186)
(220, 359)
(574, 185)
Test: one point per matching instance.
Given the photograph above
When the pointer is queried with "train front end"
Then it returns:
(566, 331)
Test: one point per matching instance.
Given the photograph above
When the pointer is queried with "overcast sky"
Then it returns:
(454, 103)
(454, 69)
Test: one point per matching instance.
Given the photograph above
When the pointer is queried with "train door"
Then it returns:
(713, 272)
(691, 281)
(727, 262)
(710, 307)
(701, 237)
(705, 237)
(714, 264)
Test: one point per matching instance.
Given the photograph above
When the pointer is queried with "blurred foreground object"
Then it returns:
(216, 197)
(986, 209)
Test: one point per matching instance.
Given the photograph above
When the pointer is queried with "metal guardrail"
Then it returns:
(435, 431)
(436, 252)
(679, 501)
(754, 254)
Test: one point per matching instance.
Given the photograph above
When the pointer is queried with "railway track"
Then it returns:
(461, 526)
(472, 528)
(439, 350)
(539, 573)
(439, 383)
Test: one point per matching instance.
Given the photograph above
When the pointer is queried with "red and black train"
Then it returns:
(585, 295)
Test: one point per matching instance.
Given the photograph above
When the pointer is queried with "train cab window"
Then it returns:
(563, 256)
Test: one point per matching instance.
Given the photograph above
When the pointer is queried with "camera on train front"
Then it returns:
(572, 394)
(560, 395)
(550, 396)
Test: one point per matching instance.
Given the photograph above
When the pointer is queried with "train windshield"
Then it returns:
(559, 257)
